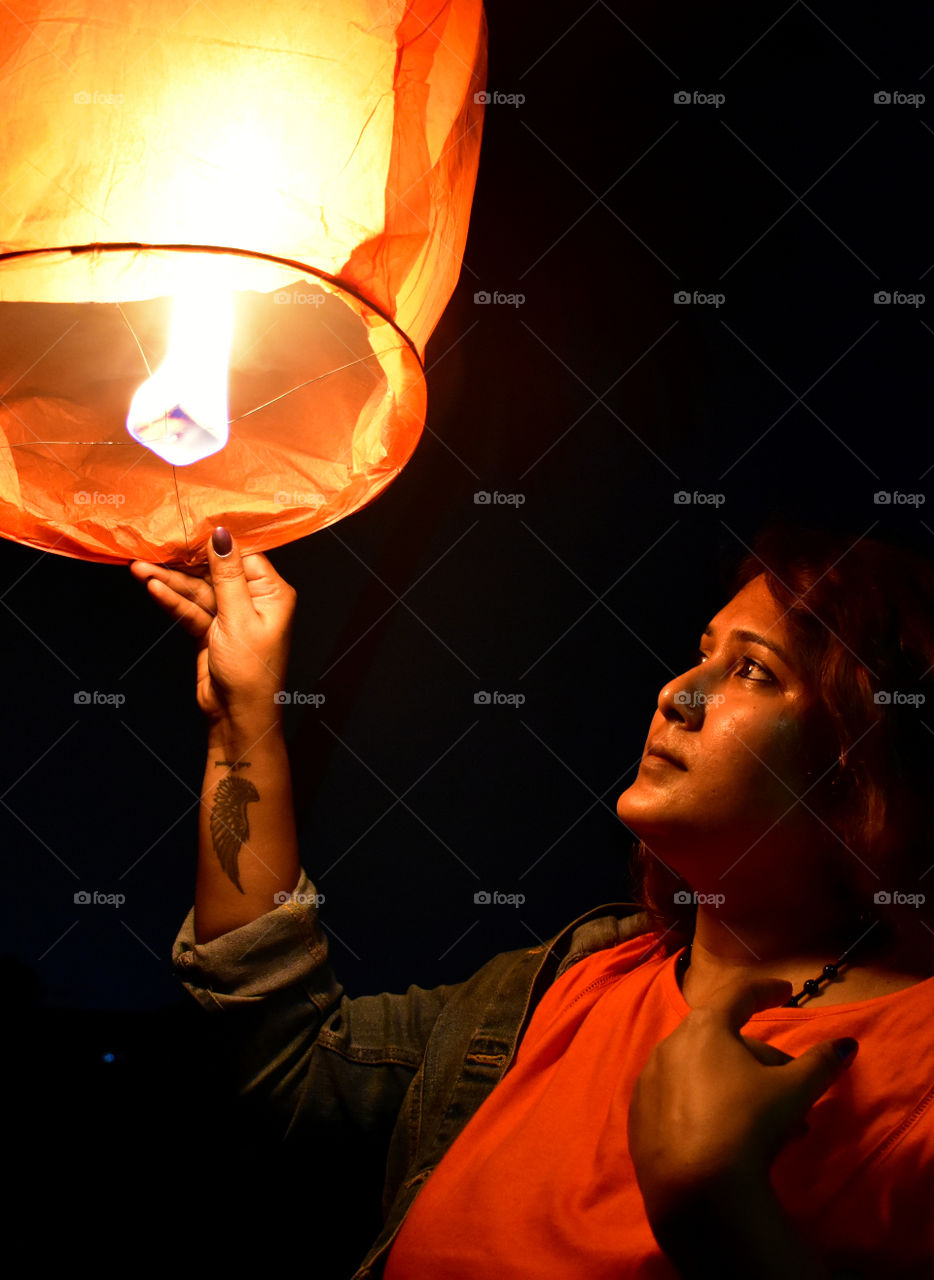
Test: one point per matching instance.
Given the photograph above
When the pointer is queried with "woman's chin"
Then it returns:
(649, 818)
(641, 806)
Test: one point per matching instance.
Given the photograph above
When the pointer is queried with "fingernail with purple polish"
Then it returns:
(221, 541)
(845, 1048)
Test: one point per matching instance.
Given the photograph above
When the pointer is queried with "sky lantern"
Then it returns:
(226, 235)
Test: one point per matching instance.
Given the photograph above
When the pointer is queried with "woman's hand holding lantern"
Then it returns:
(241, 614)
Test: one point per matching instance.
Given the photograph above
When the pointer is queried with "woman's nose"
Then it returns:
(683, 698)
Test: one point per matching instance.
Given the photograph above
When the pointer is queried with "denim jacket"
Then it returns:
(414, 1067)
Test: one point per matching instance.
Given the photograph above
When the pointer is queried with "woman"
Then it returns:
(590, 1108)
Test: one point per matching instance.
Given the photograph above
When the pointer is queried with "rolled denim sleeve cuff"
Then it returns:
(283, 947)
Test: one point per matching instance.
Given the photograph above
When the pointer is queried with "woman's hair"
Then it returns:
(860, 613)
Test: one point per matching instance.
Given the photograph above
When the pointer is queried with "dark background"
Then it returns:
(596, 400)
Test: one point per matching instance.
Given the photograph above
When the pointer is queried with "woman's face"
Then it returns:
(738, 723)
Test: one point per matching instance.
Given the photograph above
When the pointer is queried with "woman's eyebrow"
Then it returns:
(753, 637)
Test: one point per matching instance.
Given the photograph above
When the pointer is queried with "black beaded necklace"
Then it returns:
(812, 986)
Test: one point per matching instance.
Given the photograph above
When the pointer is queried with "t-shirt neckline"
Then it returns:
(780, 1013)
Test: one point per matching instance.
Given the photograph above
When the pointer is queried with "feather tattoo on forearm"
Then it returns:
(230, 826)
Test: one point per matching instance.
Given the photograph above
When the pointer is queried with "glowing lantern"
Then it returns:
(226, 235)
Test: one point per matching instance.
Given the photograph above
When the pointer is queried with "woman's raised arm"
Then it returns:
(241, 615)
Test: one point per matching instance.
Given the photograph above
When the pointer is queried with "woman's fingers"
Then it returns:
(251, 603)
(193, 588)
(191, 616)
(264, 582)
(767, 1054)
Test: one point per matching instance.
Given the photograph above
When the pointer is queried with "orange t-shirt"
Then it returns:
(540, 1182)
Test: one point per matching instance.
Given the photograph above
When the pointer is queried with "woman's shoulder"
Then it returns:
(614, 951)
(601, 928)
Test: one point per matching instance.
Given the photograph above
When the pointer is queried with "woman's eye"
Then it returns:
(747, 668)
(764, 676)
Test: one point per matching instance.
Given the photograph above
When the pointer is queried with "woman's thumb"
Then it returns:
(234, 603)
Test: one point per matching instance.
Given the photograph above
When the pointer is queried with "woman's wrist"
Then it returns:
(245, 725)
(733, 1224)
(247, 842)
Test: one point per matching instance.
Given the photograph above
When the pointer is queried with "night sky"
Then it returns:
(781, 199)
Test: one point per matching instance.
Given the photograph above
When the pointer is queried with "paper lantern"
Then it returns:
(290, 186)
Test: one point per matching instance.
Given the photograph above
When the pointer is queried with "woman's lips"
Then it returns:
(659, 755)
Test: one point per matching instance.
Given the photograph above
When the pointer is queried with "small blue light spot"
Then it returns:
(108, 1057)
